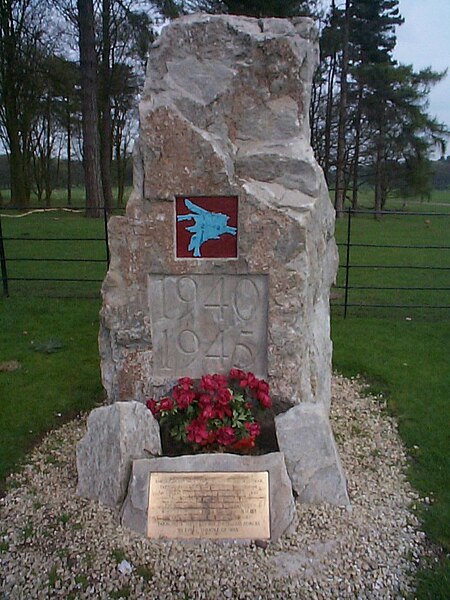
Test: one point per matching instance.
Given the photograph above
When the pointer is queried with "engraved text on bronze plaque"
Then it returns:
(209, 505)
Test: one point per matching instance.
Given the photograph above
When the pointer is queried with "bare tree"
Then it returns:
(21, 50)
(89, 108)
(341, 150)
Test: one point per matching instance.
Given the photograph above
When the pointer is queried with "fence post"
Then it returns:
(105, 222)
(3, 263)
(347, 260)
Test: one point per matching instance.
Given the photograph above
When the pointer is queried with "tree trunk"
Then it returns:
(341, 157)
(48, 157)
(379, 174)
(89, 89)
(121, 166)
(9, 39)
(355, 184)
(106, 134)
(19, 174)
(69, 153)
(329, 119)
(105, 153)
(20, 195)
(329, 108)
(316, 98)
(38, 174)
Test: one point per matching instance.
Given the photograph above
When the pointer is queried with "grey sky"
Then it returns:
(424, 40)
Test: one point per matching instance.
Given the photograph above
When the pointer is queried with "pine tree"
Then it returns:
(409, 132)
(373, 39)
(249, 8)
(267, 8)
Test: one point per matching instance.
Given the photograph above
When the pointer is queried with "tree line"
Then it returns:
(70, 72)
(370, 121)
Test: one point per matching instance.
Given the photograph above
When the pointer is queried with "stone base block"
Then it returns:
(116, 435)
(306, 439)
(282, 506)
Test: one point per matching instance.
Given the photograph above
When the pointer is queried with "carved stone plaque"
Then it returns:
(209, 505)
(208, 324)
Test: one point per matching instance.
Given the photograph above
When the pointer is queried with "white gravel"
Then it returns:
(56, 545)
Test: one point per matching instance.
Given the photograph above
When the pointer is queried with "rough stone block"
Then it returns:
(306, 439)
(282, 506)
(224, 112)
(115, 436)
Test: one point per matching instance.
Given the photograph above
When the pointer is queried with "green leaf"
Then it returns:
(178, 431)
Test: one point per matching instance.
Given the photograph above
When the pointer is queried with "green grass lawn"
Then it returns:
(436, 202)
(73, 247)
(59, 197)
(49, 386)
(36, 314)
(403, 352)
(374, 270)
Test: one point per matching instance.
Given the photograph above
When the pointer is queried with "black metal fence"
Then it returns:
(400, 261)
(399, 274)
(74, 252)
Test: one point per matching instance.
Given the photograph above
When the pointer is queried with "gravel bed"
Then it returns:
(56, 545)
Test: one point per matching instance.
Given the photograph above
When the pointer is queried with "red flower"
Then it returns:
(253, 429)
(208, 383)
(205, 400)
(214, 382)
(237, 374)
(212, 435)
(184, 398)
(223, 410)
(166, 404)
(152, 405)
(263, 386)
(221, 381)
(244, 443)
(264, 399)
(209, 412)
(250, 381)
(185, 383)
(223, 396)
(196, 432)
(226, 436)
(212, 406)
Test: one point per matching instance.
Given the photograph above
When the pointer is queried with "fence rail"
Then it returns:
(348, 266)
(373, 273)
(46, 239)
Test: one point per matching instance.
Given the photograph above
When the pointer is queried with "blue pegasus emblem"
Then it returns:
(207, 226)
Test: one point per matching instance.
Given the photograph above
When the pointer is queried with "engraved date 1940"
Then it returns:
(208, 323)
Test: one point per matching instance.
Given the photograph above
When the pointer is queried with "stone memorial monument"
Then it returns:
(226, 254)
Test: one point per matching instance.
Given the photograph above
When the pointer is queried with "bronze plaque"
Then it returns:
(225, 505)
